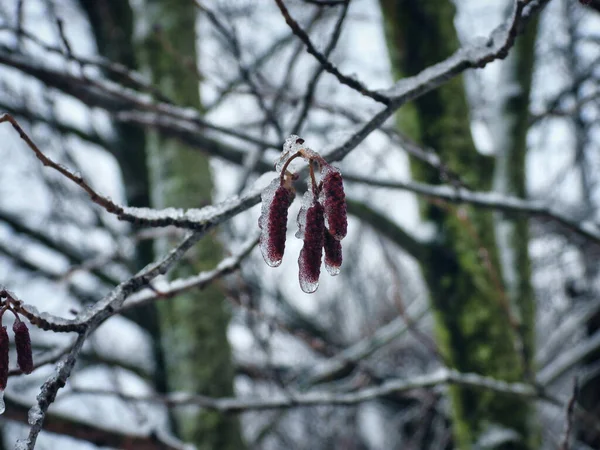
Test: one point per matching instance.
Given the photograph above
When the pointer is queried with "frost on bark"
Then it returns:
(193, 325)
(462, 268)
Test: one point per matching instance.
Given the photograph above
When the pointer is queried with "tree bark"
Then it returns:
(476, 329)
(112, 24)
(194, 325)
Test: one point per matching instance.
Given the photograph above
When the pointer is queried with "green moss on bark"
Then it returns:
(462, 269)
(194, 325)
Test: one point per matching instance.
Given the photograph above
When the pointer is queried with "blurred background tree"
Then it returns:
(467, 302)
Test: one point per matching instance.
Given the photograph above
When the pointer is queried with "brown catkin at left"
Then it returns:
(23, 345)
(4, 348)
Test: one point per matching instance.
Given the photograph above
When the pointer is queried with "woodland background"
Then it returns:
(467, 311)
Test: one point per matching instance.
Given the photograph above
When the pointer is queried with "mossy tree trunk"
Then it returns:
(194, 325)
(476, 330)
(112, 26)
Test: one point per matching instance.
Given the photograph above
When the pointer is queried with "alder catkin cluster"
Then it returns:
(22, 344)
(322, 220)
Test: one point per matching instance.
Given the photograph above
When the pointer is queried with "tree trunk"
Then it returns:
(112, 25)
(476, 330)
(194, 325)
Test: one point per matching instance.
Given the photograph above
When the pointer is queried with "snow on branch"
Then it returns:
(314, 398)
(94, 432)
(87, 322)
(200, 220)
(351, 356)
(175, 287)
(491, 200)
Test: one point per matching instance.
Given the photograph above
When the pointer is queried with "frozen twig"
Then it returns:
(491, 200)
(175, 287)
(350, 357)
(199, 220)
(473, 55)
(297, 399)
(89, 321)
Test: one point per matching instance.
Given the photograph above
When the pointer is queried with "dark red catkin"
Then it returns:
(4, 348)
(333, 254)
(273, 223)
(312, 251)
(333, 199)
(23, 345)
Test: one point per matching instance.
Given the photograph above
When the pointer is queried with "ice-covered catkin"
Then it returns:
(312, 251)
(4, 348)
(23, 345)
(333, 254)
(273, 222)
(333, 199)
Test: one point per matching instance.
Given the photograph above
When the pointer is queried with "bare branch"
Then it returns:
(298, 399)
(561, 365)
(350, 357)
(570, 413)
(87, 322)
(491, 200)
(312, 84)
(91, 432)
(175, 287)
(325, 63)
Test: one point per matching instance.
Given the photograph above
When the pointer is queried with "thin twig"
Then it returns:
(328, 65)
(491, 200)
(90, 320)
(312, 84)
(570, 413)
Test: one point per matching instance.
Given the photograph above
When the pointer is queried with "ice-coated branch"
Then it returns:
(314, 398)
(199, 220)
(474, 55)
(491, 200)
(350, 357)
(91, 432)
(175, 287)
(87, 322)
